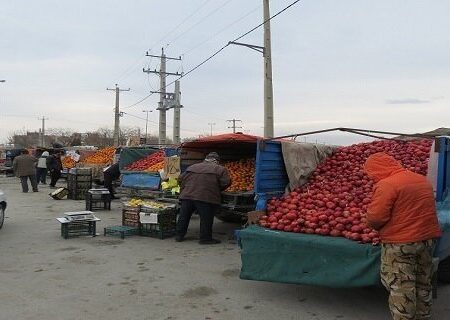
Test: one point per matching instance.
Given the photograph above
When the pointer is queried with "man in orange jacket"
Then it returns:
(403, 211)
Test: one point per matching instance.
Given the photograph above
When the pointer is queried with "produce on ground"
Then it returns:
(156, 167)
(334, 201)
(148, 161)
(103, 156)
(242, 175)
(68, 162)
(148, 203)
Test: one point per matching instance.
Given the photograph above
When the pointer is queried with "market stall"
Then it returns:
(98, 161)
(327, 210)
(141, 167)
(237, 153)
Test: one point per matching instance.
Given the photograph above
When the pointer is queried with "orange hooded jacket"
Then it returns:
(403, 208)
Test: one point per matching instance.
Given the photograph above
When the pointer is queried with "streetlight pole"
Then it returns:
(211, 124)
(146, 123)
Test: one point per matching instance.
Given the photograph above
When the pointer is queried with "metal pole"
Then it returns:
(146, 124)
(177, 114)
(268, 88)
(211, 124)
(116, 119)
(43, 130)
(117, 115)
(162, 95)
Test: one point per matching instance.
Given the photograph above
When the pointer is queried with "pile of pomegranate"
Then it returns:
(335, 199)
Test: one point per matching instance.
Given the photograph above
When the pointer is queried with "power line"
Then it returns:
(221, 30)
(199, 22)
(138, 60)
(141, 118)
(218, 51)
(180, 24)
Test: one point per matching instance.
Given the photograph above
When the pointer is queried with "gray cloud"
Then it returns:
(407, 101)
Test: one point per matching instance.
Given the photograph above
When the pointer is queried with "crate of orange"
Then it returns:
(104, 156)
(68, 162)
(242, 174)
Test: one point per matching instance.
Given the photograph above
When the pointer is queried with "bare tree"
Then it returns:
(24, 139)
(60, 135)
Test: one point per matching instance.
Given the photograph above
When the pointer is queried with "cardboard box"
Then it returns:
(172, 167)
(253, 217)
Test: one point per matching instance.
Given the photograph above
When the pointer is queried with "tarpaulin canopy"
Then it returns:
(228, 138)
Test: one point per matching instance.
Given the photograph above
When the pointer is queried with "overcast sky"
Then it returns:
(358, 63)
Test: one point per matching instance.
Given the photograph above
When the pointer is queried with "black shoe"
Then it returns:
(179, 238)
(210, 241)
(35, 190)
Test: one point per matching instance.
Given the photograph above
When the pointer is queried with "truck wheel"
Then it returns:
(229, 216)
(444, 270)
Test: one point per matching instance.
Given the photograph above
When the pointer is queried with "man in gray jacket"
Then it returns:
(201, 185)
(25, 168)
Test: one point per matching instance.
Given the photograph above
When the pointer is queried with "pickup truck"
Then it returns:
(269, 255)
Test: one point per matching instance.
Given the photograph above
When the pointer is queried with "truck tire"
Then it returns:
(444, 270)
(230, 216)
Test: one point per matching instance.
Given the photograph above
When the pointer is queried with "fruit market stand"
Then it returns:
(140, 167)
(312, 248)
(237, 153)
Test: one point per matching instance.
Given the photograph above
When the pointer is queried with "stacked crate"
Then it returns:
(98, 199)
(164, 224)
(79, 181)
(130, 216)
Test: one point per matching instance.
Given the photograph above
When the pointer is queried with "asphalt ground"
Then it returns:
(43, 276)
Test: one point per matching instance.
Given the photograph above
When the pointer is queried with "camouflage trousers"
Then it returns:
(406, 271)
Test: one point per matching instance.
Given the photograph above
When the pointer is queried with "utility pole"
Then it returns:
(43, 131)
(211, 124)
(177, 114)
(268, 87)
(162, 91)
(234, 124)
(117, 114)
(146, 123)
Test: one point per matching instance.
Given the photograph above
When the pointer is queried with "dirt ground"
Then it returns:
(43, 276)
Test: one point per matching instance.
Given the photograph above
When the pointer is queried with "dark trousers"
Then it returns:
(206, 212)
(54, 177)
(24, 182)
(108, 183)
(41, 175)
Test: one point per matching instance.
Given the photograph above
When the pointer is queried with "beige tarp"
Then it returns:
(301, 159)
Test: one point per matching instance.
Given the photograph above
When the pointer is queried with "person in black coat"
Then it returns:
(54, 166)
(109, 175)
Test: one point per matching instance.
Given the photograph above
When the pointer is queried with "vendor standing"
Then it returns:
(403, 211)
(54, 166)
(201, 186)
(109, 175)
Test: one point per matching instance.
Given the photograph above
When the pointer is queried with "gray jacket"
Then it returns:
(24, 165)
(204, 182)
